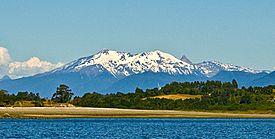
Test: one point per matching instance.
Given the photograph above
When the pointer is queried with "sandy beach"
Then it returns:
(80, 112)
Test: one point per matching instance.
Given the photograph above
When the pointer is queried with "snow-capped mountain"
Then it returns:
(126, 64)
(110, 71)
(211, 68)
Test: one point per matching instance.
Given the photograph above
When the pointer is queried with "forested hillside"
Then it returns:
(200, 96)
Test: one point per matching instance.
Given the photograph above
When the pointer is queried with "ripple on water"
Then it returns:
(137, 128)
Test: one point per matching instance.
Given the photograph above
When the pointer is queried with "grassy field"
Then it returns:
(80, 112)
(178, 96)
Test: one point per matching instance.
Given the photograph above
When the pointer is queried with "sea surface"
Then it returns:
(142, 128)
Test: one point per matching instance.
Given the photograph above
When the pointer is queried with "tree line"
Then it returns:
(63, 94)
(216, 95)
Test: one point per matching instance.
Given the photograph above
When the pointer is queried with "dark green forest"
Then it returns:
(216, 95)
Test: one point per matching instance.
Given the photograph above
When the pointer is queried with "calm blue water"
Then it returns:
(137, 128)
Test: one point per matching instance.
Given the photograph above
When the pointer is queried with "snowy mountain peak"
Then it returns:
(121, 64)
(185, 59)
(125, 64)
(160, 56)
(104, 51)
(109, 52)
(211, 68)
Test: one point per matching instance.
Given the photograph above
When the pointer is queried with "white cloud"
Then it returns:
(17, 69)
(30, 67)
(4, 56)
(3, 70)
(4, 61)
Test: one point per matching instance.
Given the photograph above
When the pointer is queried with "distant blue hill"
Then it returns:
(107, 83)
(46, 85)
(150, 80)
(110, 71)
(5, 78)
(243, 78)
(264, 81)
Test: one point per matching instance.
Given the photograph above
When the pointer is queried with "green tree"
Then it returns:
(26, 96)
(245, 99)
(235, 84)
(139, 92)
(3, 95)
(63, 94)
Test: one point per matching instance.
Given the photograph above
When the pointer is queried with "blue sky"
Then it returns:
(241, 32)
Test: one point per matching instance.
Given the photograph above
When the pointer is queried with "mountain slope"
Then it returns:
(212, 68)
(243, 78)
(185, 59)
(45, 84)
(122, 64)
(111, 71)
(5, 78)
(150, 80)
(264, 81)
(125, 64)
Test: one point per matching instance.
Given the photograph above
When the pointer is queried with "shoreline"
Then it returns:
(85, 112)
